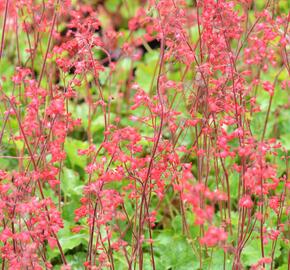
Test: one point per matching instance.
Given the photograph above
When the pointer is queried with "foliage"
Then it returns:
(144, 134)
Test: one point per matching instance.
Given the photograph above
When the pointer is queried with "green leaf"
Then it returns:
(112, 5)
(76, 261)
(70, 182)
(217, 260)
(145, 70)
(67, 240)
(175, 251)
(252, 252)
(71, 147)
(70, 241)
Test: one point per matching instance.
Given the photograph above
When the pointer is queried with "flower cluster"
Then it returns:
(123, 123)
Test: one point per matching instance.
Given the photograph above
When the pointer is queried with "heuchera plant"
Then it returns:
(144, 134)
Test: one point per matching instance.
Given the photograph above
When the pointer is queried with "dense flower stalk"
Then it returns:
(123, 125)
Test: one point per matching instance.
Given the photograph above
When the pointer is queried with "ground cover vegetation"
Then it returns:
(144, 134)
